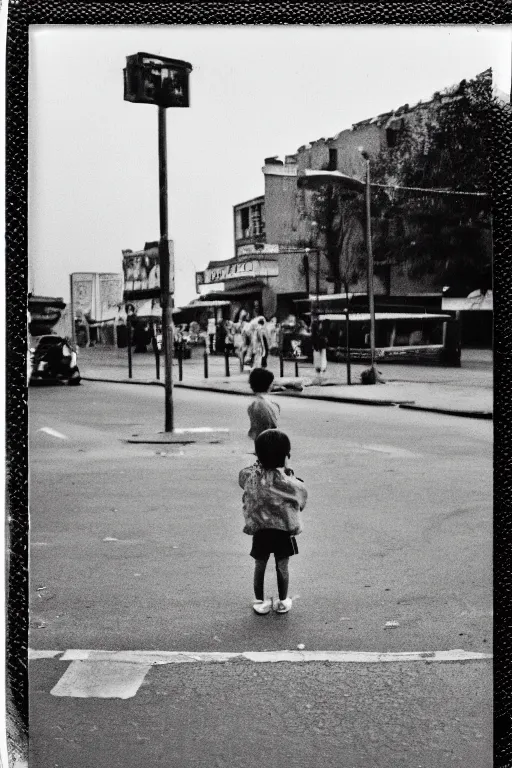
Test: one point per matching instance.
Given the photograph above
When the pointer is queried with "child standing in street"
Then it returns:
(272, 500)
(263, 413)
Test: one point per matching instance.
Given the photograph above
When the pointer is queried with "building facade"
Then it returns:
(280, 262)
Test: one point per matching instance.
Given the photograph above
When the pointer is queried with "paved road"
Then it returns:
(140, 548)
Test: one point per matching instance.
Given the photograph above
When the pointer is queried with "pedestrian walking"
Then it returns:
(319, 340)
(272, 334)
(246, 349)
(272, 501)
(263, 413)
(260, 342)
(211, 331)
(230, 337)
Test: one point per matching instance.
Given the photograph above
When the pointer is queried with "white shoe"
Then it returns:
(283, 606)
(262, 606)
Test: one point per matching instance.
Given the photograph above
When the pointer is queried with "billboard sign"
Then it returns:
(110, 294)
(96, 295)
(141, 270)
(82, 293)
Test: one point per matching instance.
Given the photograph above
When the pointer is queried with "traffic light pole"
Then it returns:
(163, 251)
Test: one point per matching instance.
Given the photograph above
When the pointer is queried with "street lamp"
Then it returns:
(158, 80)
(371, 301)
(313, 179)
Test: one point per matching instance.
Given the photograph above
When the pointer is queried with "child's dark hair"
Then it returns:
(272, 447)
(260, 380)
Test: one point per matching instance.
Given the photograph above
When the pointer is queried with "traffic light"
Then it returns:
(156, 80)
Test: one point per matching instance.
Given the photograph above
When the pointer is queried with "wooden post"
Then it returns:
(72, 310)
(205, 360)
(296, 368)
(226, 361)
(154, 344)
(347, 339)
(180, 360)
(129, 328)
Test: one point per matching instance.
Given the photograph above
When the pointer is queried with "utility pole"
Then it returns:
(158, 80)
(163, 252)
(371, 299)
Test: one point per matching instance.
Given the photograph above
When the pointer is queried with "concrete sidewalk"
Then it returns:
(459, 392)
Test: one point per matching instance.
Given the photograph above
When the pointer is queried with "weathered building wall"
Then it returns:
(348, 160)
(282, 215)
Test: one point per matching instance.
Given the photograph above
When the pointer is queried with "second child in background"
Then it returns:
(263, 412)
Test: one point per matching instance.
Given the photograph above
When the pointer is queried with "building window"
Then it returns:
(333, 159)
(256, 220)
(244, 218)
(391, 137)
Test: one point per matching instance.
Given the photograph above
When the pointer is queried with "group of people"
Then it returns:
(273, 497)
(254, 339)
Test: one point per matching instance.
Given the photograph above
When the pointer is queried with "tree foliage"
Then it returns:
(444, 144)
(338, 217)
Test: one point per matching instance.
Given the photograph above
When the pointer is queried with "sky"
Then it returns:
(255, 92)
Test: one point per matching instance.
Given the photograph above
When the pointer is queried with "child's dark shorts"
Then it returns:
(269, 541)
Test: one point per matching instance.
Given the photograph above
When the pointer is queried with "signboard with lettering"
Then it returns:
(237, 269)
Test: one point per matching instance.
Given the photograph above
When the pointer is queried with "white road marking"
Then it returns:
(52, 432)
(200, 429)
(148, 657)
(180, 657)
(34, 654)
(101, 679)
(119, 674)
(390, 450)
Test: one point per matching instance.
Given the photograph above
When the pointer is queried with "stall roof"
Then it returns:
(211, 303)
(365, 316)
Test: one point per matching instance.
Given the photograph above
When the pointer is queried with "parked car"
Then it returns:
(52, 358)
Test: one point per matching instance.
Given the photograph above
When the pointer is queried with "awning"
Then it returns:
(200, 304)
(244, 290)
(365, 316)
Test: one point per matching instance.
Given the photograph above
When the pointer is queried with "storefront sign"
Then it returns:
(237, 269)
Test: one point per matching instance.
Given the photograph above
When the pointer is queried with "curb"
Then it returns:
(447, 412)
(226, 391)
(406, 404)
